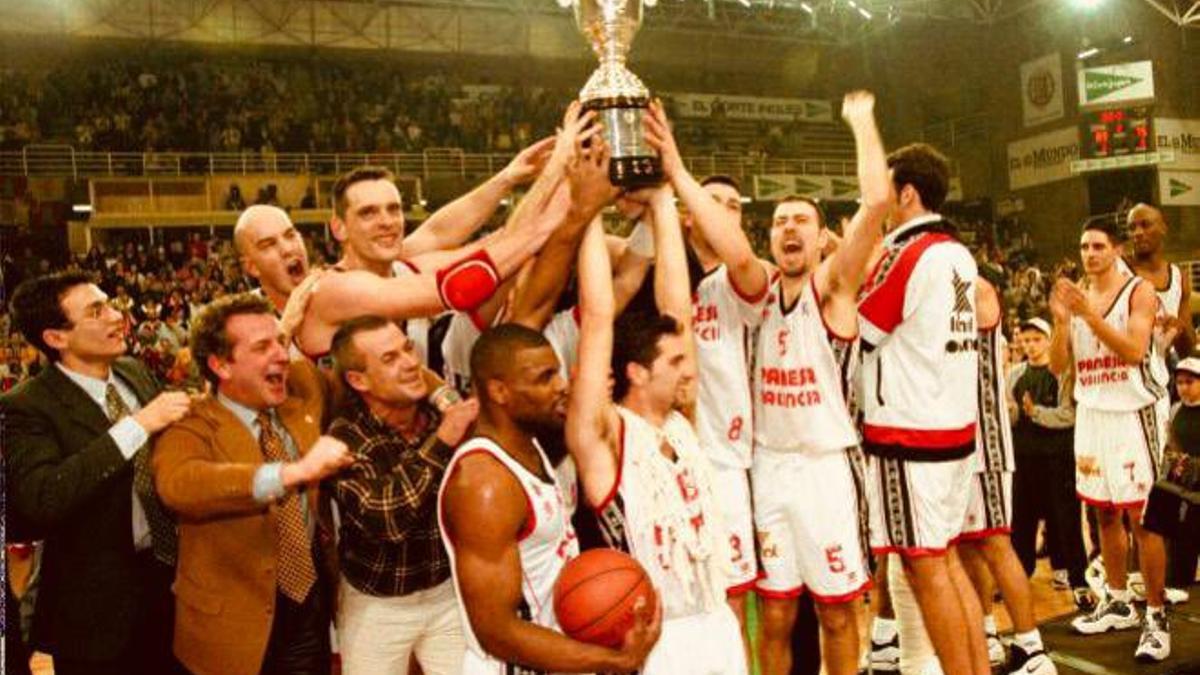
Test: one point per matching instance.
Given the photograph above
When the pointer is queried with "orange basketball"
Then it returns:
(595, 594)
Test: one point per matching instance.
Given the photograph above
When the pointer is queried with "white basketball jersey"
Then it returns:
(1103, 380)
(1170, 298)
(663, 513)
(563, 334)
(546, 544)
(456, 351)
(417, 330)
(802, 374)
(993, 431)
(720, 321)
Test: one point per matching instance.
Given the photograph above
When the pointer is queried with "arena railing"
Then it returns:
(64, 160)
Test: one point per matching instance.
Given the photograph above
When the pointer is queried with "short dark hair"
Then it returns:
(635, 340)
(721, 179)
(493, 352)
(208, 336)
(345, 356)
(37, 307)
(816, 204)
(923, 167)
(1116, 231)
(356, 175)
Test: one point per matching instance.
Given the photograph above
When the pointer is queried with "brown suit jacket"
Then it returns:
(225, 582)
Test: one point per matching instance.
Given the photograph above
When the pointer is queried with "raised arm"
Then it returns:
(672, 288)
(488, 569)
(590, 415)
(720, 225)
(453, 224)
(848, 264)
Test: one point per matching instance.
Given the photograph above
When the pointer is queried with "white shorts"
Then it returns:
(731, 487)
(989, 511)
(810, 516)
(917, 508)
(1117, 455)
(701, 644)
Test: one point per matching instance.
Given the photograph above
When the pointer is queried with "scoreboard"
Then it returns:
(1117, 132)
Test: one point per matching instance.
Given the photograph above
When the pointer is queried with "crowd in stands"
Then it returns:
(233, 104)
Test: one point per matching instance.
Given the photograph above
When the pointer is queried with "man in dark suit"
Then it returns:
(77, 443)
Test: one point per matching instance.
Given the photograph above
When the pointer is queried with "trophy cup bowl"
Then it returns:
(616, 94)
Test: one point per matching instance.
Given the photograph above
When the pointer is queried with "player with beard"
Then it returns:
(383, 273)
(807, 460)
(639, 459)
(1106, 333)
(504, 573)
(732, 289)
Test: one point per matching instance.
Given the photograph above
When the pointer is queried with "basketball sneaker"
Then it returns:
(995, 650)
(1155, 643)
(1110, 614)
(883, 657)
(1021, 662)
(1085, 601)
(1176, 596)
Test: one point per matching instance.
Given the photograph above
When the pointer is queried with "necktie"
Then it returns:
(163, 538)
(297, 573)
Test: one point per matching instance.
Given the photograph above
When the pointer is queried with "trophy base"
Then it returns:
(634, 163)
(635, 172)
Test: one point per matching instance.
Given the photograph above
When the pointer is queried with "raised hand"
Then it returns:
(657, 131)
(576, 130)
(1069, 298)
(858, 107)
(587, 175)
(529, 162)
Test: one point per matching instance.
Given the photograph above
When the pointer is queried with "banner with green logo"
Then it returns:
(1122, 83)
(1179, 188)
(776, 186)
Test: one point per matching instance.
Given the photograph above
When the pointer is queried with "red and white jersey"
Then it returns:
(802, 372)
(1103, 380)
(664, 514)
(920, 365)
(721, 322)
(546, 544)
(993, 430)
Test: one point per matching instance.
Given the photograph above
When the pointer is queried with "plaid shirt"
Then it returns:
(389, 542)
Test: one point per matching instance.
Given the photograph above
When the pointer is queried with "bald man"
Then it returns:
(271, 250)
(1148, 231)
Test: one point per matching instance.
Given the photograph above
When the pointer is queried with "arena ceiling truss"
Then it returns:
(503, 26)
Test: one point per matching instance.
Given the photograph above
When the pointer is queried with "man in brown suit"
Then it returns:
(241, 472)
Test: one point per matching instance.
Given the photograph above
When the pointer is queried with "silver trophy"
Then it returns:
(617, 95)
